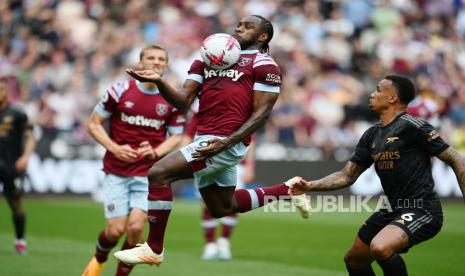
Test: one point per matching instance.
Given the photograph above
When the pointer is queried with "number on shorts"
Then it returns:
(408, 216)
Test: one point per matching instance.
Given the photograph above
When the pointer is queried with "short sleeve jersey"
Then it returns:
(13, 124)
(226, 96)
(136, 114)
(401, 152)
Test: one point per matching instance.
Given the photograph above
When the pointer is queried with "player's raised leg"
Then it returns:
(224, 201)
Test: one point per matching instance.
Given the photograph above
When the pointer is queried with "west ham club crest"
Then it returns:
(128, 104)
(244, 61)
(161, 109)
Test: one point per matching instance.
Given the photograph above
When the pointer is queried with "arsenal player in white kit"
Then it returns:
(233, 104)
(140, 120)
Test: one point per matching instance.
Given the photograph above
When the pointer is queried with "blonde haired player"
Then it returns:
(140, 120)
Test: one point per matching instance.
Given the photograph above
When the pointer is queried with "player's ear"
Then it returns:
(263, 38)
(394, 97)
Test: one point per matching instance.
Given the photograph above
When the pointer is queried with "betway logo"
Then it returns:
(233, 74)
(141, 121)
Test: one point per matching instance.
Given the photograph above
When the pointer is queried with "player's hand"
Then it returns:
(144, 75)
(300, 186)
(146, 150)
(212, 148)
(125, 153)
(21, 164)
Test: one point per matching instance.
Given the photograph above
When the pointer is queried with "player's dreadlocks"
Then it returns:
(268, 28)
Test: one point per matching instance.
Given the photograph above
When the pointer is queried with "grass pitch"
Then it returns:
(62, 232)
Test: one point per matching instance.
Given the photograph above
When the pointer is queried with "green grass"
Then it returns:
(62, 235)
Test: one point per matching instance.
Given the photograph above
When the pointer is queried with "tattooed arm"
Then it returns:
(334, 181)
(452, 158)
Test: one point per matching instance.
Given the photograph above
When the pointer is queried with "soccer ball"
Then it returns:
(220, 51)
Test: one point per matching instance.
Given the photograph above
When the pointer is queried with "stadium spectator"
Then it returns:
(16, 145)
(223, 134)
(400, 147)
(140, 120)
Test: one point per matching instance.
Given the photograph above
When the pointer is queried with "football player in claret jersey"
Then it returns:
(233, 104)
(16, 145)
(140, 121)
(400, 147)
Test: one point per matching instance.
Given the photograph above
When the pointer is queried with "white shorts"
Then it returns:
(121, 194)
(221, 169)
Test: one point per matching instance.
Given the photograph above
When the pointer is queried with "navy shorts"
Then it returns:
(419, 224)
(13, 183)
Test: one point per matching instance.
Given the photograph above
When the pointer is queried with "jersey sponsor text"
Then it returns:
(230, 73)
(141, 121)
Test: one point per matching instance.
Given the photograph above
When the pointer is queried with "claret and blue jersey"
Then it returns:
(226, 96)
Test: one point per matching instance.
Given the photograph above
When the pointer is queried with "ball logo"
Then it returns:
(216, 60)
(161, 109)
(231, 43)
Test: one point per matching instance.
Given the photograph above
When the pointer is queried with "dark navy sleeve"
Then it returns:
(429, 140)
(362, 152)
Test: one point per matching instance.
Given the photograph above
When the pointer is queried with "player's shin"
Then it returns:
(249, 199)
(393, 266)
(103, 247)
(159, 209)
(228, 223)
(19, 222)
(209, 225)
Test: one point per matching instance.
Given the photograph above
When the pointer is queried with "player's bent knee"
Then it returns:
(350, 260)
(115, 232)
(354, 260)
(156, 175)
(380, 251)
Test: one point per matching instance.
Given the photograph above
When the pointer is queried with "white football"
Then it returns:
(220, 51)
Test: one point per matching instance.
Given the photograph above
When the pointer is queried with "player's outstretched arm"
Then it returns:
(452, 158)
(340, 179)
(181, 99)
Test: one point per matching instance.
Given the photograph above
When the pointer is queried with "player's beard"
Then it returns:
(245, 44)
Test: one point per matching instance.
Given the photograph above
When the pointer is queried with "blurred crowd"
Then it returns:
(60, 57)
